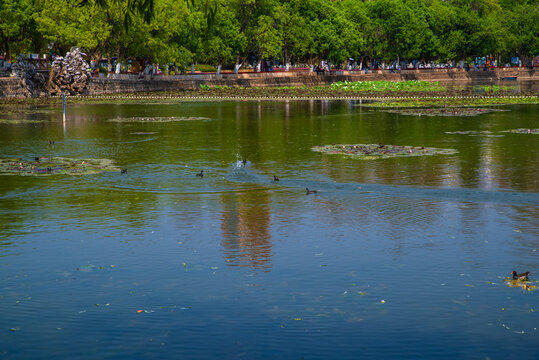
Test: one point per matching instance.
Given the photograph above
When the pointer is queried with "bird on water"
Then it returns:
(522, 277)
(201, 173)
(311, 191)
(275, 178)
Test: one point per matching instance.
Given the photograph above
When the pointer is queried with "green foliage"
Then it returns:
(411, 85)
(66, 25)
(224, 32)
(205, 68)
(17, 27)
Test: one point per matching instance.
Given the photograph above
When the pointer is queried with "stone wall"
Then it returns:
(182, 82)
(10, 88)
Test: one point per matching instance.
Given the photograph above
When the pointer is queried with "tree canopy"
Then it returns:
(224, 32)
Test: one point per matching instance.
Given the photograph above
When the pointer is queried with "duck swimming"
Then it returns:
(124, 171)
(201, 173)
(311, 191)
(521, 277)
(275, 178)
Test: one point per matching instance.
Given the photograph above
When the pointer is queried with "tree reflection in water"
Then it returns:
(245, 225)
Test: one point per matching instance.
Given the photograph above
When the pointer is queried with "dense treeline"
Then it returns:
(230, 32)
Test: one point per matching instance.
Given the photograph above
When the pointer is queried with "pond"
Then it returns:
(400, 257)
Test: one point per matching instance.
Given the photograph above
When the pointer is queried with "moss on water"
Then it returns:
(443, 111)
(55, 166)
(453, 102)
(21, 121)
(522, 131)
(156, 119)
(380, 151)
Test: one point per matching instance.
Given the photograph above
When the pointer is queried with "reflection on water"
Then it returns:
(246, 229)
(411, 250)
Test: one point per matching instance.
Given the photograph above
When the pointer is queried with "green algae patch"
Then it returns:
(522, 131)
(380, 151)
(56, 166)
(443, 111)
(469, 132)
(453, 102)
(21, 121)
(485, 133)
(156, 119)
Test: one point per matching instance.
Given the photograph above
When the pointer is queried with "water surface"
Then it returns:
(397, 258)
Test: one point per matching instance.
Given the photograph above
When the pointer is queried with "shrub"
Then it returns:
(205, 68)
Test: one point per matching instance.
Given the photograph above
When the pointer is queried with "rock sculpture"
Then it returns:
(31, 81)
(69, 74)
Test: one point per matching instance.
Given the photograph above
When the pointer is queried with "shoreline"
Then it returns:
(397, 99)
(11, 88)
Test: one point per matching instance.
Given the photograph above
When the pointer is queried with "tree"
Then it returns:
(17, 27)
(63, 23)
(268, 38)
(223, 40)
(129, 8)
(355, 29)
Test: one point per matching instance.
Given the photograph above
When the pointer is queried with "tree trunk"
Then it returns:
(237, 65)
(285, 53)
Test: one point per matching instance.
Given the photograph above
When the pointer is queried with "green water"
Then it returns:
(395, 258)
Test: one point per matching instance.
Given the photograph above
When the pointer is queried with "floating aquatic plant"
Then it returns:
(157, 119)
(526, 285)
(54, 166)
(380, 151)
(522, 131)
(469, 132)
(442, 101)
(380, 86)
(485, 133)
(21, 121)
(494, 88)
(443, 111)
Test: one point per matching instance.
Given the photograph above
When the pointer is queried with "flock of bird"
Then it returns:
(244, 162)
(516, 276)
